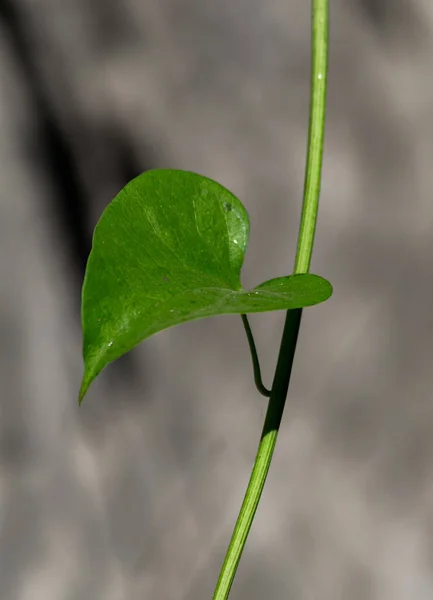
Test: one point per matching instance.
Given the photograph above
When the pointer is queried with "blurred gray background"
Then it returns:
(134, 495)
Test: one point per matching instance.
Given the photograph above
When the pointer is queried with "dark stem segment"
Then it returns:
(283, 371)
(256, 364)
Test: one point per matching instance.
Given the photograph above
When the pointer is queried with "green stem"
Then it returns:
(320, 16)
(316, 135)
(256, 364)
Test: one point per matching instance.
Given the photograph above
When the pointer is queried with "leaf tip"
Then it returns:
(85, 384)
(329, 290)
(81, 394)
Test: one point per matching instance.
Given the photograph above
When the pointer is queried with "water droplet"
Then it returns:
(320, 76)
(110, 344)
(235, 241)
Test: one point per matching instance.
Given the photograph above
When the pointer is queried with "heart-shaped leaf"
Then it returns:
(169, 249)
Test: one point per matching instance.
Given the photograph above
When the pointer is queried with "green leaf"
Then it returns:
(169, 249)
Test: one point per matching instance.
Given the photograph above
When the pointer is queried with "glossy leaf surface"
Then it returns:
(169, 249)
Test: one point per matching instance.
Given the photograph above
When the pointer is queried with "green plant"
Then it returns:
(169, 249)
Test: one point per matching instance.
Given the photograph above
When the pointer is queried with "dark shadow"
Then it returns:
(54, 154)
(376, 11)
(70, 202)
(399, 20)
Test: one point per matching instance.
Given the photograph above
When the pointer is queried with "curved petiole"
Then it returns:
(256, 365)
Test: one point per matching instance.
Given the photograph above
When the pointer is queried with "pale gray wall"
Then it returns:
(134, 495)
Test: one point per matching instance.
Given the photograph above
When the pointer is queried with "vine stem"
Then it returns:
(277, 400)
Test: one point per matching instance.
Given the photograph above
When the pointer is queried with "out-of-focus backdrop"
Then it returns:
(134, 495)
